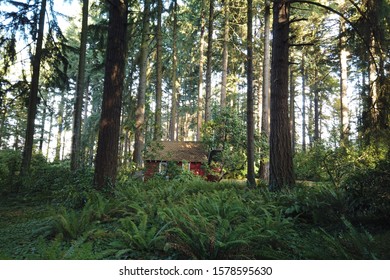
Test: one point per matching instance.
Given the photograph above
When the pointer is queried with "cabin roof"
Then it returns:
(177, 151)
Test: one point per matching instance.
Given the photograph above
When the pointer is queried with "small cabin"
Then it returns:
(188, 155)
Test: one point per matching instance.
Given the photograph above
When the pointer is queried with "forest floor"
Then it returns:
(20, 217)
(23, 216)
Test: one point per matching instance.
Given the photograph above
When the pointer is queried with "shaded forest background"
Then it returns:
(294, 93)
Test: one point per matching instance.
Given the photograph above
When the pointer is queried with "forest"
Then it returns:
(287, 102)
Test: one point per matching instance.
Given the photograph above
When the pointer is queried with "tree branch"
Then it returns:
(346, 20)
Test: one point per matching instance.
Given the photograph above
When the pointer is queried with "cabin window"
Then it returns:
(186, 166)
(162, 167)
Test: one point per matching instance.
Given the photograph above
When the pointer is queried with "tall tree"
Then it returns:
(225, 55)
(209, 62)
(264, 166)
(157, 121)
(250, 112)
(281, 166)
(200, 81)
(75, 158)
(143, 67)
(33, 97)
(107, 149)
(344, 123)
(175, 90)
(303, 75)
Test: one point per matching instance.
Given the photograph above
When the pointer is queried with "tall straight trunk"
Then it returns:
(316, 107)
(250, 111)
(344, 122)
(173, 121)
(42, 134)
(60, 124)
(292, 108)
(140, 111)
(50, 133)
(225, 54)
(85, 117)
(303, 75)
(107, 149)
(33, 98)
(265, 129)
(200, 82)
(157, 121)
(3, 126)
(209, 62)
(281, 165)
(75, 157)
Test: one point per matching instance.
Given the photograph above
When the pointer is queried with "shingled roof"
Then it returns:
(177, 151)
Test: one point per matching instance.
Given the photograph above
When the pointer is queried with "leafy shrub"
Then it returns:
(368, 192)
(71, 224)
(138, 236)
(321, 205)
(10, 161)
(309, 165)
(348, 243)
(74, 190)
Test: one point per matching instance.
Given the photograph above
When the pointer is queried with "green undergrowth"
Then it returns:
(64, 218)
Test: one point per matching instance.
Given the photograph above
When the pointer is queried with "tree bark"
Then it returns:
(225, 54)
(33, 98)
(60, 124)
(140, 111)
(316, 107)
(281, 166)
(344, 122)
(75, 159)
(157, 122)
(200, 82)
(107, 150)
(173, 121)
(250, 110)
(265, 129)
(209, 62)
(303, 75)
(43, 121)
(292, 108)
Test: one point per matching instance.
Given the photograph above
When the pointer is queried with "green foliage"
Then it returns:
(138, 236)
(309, 165)
(71, 224)
(320, 205)
(368, 192)
(226, 132)
(322, 163)
(10, 161)
(348, 243)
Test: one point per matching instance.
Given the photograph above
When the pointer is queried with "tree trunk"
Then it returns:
(173, 121)
(50, 133)
(264, 166)
(60, 124)
(75, 159)
(42, 136)
(107, 149)
(250, 111)
(316, 107)
(225, 54)
(281, 166)
(303, 75)
(292, 108)
(209, 62)
(157, 122)
(140, 111)
(33, 98)
(344, 123)
(200, 82)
